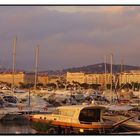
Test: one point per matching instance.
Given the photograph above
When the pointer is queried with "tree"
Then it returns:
(60, 84)
(95, 86)
(21, 85)
(84, 85)
(52, 85)
(76, 84)
(40, 85)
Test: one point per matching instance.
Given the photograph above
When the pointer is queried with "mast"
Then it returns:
(13, 65)
(105, 59)
(36, 66)
(121, 70)
(122, 63)
(29, 103)
(111, 74)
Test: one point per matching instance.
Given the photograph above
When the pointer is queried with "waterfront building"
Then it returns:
(22, 77)
(70, 77)
(129, 77)
(93, 78)
(7, 77)
(102, 79)
(29, 78)
(75, 77)
(44, 79)
(54, 79)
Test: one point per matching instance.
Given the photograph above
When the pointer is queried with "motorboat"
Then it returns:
(119, 113)
(83, 119)
(130, 125)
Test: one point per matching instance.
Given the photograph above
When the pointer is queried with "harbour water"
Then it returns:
(16, 127)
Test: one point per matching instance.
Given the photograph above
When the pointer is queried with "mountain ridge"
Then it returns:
(95, 68)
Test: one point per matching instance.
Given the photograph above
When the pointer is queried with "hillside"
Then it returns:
(96, 68)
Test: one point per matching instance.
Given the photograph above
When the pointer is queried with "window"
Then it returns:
(89, 115)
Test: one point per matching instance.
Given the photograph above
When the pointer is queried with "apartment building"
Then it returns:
(22, 77)
(75, 77)
(89, 78)
(129, 77)
(8, 77)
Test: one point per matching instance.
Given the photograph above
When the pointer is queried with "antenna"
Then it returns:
(13, 66)
(36, 66)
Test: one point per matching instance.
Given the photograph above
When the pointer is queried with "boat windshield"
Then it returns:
(89, 115)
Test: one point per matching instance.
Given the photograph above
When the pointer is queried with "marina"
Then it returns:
(56, 112)
(60, 86)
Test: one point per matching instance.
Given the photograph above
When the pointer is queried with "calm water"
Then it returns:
(17, 127)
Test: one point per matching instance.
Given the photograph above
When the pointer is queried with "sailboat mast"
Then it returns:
(105, 59)
(36, 66)
(111, 74)
(122, 63)
(13, 65)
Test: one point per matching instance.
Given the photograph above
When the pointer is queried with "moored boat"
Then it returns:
(130, 125)
(120, 113)
(76, 118)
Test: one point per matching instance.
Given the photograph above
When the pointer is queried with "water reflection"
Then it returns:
(16, 127)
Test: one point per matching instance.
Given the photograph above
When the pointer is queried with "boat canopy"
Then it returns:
(83, 113)
(80, 107)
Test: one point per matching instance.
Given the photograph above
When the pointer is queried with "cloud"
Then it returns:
(93, 9)
(87, 9)
(69, 35)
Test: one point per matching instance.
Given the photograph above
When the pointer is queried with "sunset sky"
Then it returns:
(69, 36)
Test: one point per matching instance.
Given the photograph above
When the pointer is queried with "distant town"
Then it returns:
(93, 77)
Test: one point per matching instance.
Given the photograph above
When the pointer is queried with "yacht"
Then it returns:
(85, 119)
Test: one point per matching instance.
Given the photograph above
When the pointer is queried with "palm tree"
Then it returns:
(52, 85)
(84, 85)
(76, 84)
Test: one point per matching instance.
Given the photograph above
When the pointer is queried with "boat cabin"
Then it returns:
(83, 114)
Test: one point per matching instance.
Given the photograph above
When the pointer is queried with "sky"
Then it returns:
(69, 36)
